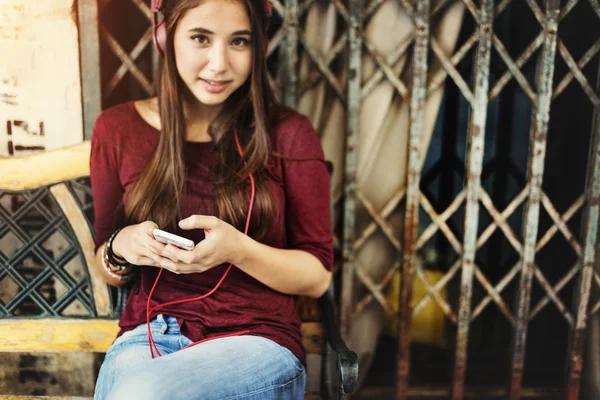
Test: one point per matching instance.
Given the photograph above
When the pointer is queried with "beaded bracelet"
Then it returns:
(106, 264)
(118, 262)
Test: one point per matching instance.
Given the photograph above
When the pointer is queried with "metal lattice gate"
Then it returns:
(468, 220)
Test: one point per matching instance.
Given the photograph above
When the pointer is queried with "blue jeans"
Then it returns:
(240, 367)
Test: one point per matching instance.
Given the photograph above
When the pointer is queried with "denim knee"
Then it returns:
(140, 387)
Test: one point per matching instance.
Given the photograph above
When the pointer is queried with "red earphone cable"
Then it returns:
(149, 310)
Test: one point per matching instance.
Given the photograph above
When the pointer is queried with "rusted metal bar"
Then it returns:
(392, 59)
(440, 77)
(387, 70)
(499, 288)
(371, 9)
(521, 60)
(385, 213)
(590, 234)
(439, 222)
(565, 218)
(448, 66)
(494, 295)
(384, 225)
(537, 11)
(446, 308)
(89, 49)
(337, 48)
(126, 60)
(537, 152)
(503, 4)
(587, 57)
(379, 287)
(553, 296)
(411, 218)
(374, 288)
(578, 74)
(596, 6)
(289, 88)
(135, 53)
(558, 287)
(561, 224)
(352, 127)
(437, 287)
(322, 67)
(473, 172)
(514, 70)
(316, 77)
(500, 218)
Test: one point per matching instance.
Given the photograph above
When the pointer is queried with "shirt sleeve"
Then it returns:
(307, 193)
(106, 185)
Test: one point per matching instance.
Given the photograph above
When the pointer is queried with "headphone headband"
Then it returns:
(156, 5)
(159, 30)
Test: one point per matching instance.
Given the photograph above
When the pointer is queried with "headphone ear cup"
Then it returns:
(160, 37)
(268, 8)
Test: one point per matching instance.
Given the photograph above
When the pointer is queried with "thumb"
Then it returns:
(198, 222)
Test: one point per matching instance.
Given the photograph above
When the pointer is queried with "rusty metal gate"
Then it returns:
(128, 62)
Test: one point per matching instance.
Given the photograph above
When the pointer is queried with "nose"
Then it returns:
(217, 62)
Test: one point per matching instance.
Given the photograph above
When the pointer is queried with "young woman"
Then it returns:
(212, 158)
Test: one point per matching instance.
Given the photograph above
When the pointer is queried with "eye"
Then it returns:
(240, 42)
(200, 39)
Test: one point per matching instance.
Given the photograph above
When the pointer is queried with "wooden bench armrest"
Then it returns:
(57, 334)
(23, 173)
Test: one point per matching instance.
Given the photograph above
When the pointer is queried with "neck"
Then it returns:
(197, 120)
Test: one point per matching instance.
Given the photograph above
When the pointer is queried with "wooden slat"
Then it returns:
(89, 51)
(30, 172)
(312, 337)
(80, 226)
(56, 335)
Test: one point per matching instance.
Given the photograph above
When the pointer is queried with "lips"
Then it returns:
(214, 86)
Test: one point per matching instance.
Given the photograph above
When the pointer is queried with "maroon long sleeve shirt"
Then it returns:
(123, 142)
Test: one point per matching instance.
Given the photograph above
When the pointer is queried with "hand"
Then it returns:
(134, 243)
(220, 245)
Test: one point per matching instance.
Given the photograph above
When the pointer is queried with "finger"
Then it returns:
(162, 251)
(153, 244)
(148, 228)
(178, 255)
(169, 265)
(176, 267)
(145, 261)
(145, 255)
(199, 222)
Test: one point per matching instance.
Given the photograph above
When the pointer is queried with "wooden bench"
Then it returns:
(62, 177)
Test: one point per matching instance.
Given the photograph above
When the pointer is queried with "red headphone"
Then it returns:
(159, 30)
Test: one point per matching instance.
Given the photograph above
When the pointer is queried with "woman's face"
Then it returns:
(213, 49)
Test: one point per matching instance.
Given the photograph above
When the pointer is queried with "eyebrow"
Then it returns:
(207, 32)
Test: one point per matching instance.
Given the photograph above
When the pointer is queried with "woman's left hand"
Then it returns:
(220, 245)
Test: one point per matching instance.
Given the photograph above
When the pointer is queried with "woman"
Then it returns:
(211, 157)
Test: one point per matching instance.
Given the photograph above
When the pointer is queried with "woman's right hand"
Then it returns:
(134, 244)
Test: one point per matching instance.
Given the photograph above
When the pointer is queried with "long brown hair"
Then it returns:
(159, 188)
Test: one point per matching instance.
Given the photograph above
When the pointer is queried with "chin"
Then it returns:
(211, 99)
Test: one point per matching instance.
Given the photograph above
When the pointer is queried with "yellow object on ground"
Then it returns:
(429, 324)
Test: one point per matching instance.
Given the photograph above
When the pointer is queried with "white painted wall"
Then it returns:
(40, 87)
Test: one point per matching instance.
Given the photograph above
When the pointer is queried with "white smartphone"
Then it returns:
(166, 238)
